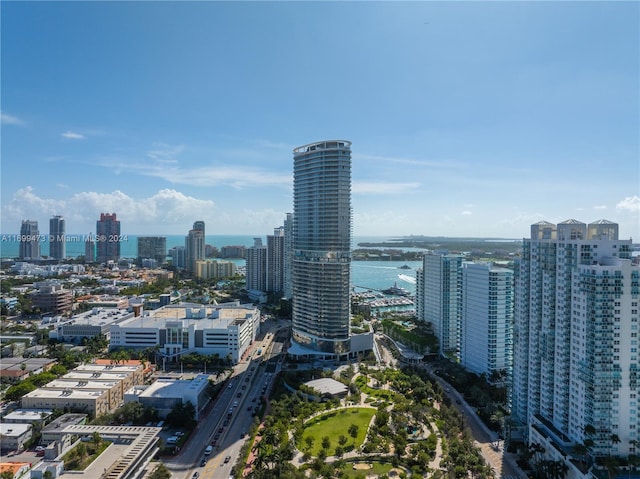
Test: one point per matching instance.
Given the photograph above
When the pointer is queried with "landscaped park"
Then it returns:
(391, 423)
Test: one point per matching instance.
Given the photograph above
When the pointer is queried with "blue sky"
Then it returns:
(467, 118)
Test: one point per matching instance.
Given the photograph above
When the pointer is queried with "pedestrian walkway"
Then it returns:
(502, 462)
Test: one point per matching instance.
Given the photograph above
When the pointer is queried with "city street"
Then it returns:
(502, 462)
(228, 420)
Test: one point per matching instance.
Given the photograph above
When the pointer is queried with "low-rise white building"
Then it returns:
(52, 432)
(164, 394)
(225, 329)
(27, 416)
(55, 468)
(13, 436)
(89, 324)
(92, 388)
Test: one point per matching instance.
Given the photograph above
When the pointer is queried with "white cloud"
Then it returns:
(11, 120)
(71, 135)
(630, 203)
(158, 213)
(438, 163)
(25, 204)
(466, 213)
(383, 188)
(600, 207)
(235, 177)
(163, 153)
(383, 222)
(162, 162)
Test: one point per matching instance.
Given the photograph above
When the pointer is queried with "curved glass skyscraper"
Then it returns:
(322, 246)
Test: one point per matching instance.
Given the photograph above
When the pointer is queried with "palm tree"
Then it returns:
(611, 463)
(96, 439)
(589, 430)
(81, 450)
(633, 460)
(582, 452)
(614, 438)
(557, 469)
(536, 450)
(270, 437)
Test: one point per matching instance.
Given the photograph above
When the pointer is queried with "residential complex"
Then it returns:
(266, 265)
(152, 247)
(576, 341)
(322, 246)
(94, 389)
(194, 246)
(287, 286)
(439, 298)
(211, 269)
(57, 238)
(29, 240)
(256, 277)
(486, 331)
(90, 249)
(178, 256)
(52, 297)
(275, 261)
(233, 251)
(107, 238)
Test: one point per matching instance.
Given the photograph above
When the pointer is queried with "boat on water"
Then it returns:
(404, 266)
(397, 290)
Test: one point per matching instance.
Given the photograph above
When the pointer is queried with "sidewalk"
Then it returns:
(503, 463)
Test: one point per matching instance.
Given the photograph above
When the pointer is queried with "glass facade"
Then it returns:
(322, 246)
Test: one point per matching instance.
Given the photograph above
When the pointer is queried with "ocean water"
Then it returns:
(364, 274)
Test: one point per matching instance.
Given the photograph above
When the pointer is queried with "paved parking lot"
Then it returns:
(24, 456)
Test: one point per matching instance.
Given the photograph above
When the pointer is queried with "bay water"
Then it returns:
(377, 275)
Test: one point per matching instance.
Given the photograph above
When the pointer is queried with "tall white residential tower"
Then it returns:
(438, 298)
(486, 332)
(576, 341)
(256, 279)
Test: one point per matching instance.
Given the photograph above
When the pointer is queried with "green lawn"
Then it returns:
(334, 424)
(75, 462)
(377, 468)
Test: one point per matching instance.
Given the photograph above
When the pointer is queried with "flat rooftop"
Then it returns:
(32, 363)
(52, 393)
(96, 375)
(28, 415)
(99, 317)
(172, 388)
(108, 368)
(63, 382)
(13, 430)
(200, 316)
(64, 421)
